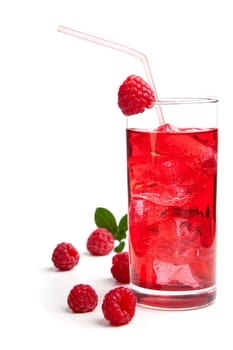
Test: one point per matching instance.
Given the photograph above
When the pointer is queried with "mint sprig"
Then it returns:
(104, 218)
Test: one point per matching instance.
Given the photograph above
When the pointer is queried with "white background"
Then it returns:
(62, 154)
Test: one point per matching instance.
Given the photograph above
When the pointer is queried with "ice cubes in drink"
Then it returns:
(187, 263)
(171, 218)
(186, 144)
(174, 275)
(169, 168)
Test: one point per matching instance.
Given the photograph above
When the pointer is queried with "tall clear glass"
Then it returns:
(172, 185)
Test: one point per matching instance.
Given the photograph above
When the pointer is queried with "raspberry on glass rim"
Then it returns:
(135, 95)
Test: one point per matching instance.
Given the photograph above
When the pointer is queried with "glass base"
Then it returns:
(174, 300)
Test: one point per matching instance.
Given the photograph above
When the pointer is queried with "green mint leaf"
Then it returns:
(105, 219)
(122, 228)
(120, 247)
(120, 235)
(123, 224)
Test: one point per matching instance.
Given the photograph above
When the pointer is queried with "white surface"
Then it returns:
(62, 154)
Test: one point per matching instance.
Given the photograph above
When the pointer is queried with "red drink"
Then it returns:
(172, 217)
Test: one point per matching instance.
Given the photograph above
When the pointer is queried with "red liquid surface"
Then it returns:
(172, 201)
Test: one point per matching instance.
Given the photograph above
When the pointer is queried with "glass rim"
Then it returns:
(186, 100)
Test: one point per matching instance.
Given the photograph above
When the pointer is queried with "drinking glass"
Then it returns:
(172, 172)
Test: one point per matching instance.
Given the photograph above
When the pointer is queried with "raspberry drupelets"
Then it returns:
(120, 267)
(100, 242)
(135, 95)
(119, 306)
(65, 256)
(82, 298)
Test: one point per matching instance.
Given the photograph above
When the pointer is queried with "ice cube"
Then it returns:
(162, 180)
(165, 128)
(144, 217)
(174, 275)
(145, 211)
(185, 146)
(187, 249)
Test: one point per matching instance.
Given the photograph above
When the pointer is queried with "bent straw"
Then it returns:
(122, 48)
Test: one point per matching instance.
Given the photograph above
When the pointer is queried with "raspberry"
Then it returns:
(119, 306)
(120, 267)
(82, 298)
(100, 242)
(135, 95)
(65, 256)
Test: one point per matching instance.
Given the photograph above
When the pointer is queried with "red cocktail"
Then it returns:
(172, 215)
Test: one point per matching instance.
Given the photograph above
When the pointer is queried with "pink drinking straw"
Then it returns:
(123, 48)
